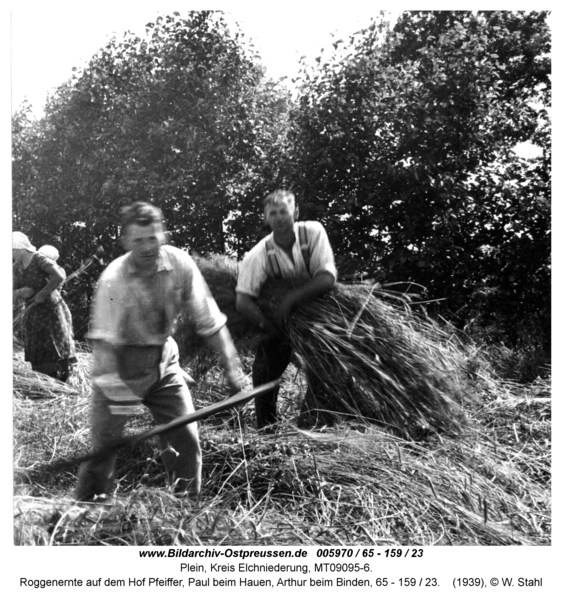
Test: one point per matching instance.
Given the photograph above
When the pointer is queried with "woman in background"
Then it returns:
(47, 322)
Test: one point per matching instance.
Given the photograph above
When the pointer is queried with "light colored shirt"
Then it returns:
(256, 268)
(130, 309)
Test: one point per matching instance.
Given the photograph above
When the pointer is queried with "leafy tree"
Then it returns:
(22, 157)
(404, 148)
(184, 117)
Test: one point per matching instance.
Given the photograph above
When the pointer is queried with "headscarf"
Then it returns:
(21, 242)
(50, 252)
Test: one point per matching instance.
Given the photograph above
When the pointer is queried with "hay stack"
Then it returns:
(369, 358)
(31, 385)
(381, 362)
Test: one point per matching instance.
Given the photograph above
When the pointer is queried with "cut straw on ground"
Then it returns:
(414, 452)
(348, 484)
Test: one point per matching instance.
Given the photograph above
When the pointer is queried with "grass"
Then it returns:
(369, 356)
(353, 483)
(427, 445)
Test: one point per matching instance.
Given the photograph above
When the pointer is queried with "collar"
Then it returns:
(295, 231)
(163, 264)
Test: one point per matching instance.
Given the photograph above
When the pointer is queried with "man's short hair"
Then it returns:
(278, 196)
(140, 213)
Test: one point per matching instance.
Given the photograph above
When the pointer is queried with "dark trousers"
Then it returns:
(273, 356)
(168, 399)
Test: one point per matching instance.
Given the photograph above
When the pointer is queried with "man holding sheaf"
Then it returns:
(298, 251)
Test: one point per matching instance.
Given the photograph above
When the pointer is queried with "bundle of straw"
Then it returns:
(365, 356)
(31, 385)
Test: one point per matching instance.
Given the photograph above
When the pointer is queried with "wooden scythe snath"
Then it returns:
(198, 415)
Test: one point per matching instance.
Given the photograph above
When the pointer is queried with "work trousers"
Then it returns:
(168, 399)
(273, 356)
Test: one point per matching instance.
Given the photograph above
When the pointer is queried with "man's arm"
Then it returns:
(249, 309)
(321, 283)
(221, 343)
(211, 324)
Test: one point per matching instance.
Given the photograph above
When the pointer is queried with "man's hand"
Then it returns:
(283, 310)
(248, 308)
(221, 343)
(269, 329)
(318, 285)
(234, 375)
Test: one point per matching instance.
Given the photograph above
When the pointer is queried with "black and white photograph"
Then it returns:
(281, 297)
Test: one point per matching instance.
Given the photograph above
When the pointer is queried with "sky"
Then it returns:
(48, 41)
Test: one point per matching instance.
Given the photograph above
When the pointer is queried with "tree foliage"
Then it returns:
(183, 117)
(402, 145)
(405, 147)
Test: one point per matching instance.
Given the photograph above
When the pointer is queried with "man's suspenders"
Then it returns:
(272, 259)
(305, 247)
(305, 251)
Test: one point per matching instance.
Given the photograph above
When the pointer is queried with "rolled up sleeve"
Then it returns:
(252, 273)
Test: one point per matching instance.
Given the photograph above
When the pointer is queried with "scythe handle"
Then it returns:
(198, 415)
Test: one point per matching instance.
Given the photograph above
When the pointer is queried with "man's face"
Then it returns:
(144, 241)
(280, 216)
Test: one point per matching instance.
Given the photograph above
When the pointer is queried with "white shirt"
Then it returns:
(133, 310)
(255, 269)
